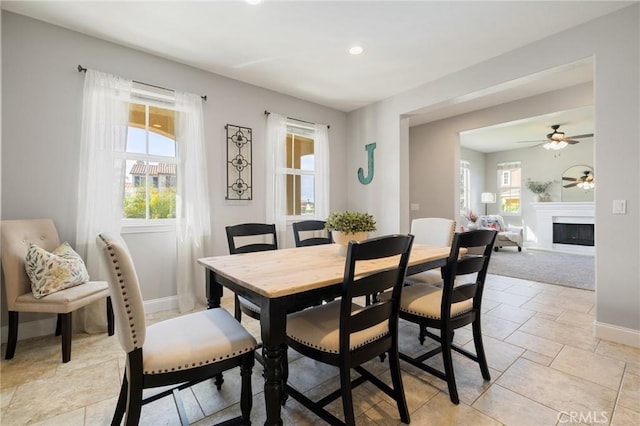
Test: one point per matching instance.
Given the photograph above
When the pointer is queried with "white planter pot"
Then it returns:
(342, 239)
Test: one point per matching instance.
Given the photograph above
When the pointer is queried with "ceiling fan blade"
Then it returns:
(569, 178)
(571, 142)
(569, 185)
(586, 135)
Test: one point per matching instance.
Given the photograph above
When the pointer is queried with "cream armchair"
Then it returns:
(16, 237)
(508, 235)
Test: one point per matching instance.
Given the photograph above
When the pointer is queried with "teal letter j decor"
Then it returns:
(367, 180)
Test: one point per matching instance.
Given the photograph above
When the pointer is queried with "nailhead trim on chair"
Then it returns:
(134, 332)
(325, 349)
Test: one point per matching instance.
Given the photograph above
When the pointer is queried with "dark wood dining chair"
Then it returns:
(178, 352)
(256, 237)
(457, 304)
(346, 335)
(313, 227)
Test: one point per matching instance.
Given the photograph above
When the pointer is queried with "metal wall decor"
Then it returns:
(239, 166)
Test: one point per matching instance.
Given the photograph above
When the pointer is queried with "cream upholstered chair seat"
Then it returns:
(319, 328)
(193, 340)
(16, 237)
(178, 352)
(426, 300)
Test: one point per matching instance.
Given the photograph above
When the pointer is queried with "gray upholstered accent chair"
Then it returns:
(16, 237)
(435, 231)
(178, 352)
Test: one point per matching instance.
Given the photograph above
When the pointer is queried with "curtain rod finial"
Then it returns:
(81, 69)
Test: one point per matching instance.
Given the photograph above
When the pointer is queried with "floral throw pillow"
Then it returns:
(55, 271)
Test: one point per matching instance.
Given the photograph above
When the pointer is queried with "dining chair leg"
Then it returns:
(246, 395)
(347, 398)
(134, 400)
(447, 360)
(423, 333)
(477, 341)
(12, 338)
(67, 331)
(218, 381)
(398, 389)
(110, 319)
(122, 402)
(237, 310)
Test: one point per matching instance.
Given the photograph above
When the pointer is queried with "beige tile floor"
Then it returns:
(547, 368)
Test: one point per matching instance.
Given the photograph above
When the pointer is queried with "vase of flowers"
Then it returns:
(471, 218)
(348, 226)
(539, 189)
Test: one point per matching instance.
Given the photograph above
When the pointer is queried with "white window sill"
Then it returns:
(144, 227)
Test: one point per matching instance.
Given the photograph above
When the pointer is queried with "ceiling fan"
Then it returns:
(586, 181)
(557, 140)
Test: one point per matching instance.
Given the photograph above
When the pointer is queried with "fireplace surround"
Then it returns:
(566, 227)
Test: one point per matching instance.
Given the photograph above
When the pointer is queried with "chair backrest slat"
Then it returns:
(458, 265)
(251, 230)
(308, 226)
(397, 247)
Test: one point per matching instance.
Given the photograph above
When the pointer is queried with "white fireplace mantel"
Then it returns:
(571, 212)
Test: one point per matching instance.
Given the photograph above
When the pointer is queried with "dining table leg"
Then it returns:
(273, 320)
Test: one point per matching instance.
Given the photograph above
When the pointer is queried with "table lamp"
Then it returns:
(487, 198)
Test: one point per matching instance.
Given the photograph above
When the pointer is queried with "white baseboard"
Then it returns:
(626, 336)
(47, 326)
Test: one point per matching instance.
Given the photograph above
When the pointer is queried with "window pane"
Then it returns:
(293, 195)
(161, 145)
(136, 140)
(307, 195)
(299, 152)
(135, 191)
(161, 132)
(152, 184)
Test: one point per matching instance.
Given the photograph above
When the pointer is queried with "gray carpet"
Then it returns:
(569, 270)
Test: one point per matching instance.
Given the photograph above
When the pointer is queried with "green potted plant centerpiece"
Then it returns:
(347, 226)
(540, 189)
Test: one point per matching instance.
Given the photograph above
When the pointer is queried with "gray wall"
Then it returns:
(614, 43)
(41, 113)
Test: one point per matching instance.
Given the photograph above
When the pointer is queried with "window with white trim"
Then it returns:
(300, 171)
(151, 158)
(509, 187)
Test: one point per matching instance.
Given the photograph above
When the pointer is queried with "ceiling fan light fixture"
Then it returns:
(555, 145)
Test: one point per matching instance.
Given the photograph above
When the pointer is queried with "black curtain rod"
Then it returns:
(83, 69)
(297, 119)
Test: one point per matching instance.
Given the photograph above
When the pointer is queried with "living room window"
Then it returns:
(151, 165)
(509, 186)
(465, 186)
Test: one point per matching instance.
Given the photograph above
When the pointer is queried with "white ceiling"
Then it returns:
(300, 48)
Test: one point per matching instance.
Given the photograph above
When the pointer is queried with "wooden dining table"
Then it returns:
(288, 280)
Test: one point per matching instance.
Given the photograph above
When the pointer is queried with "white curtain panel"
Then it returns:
(275, 180)
(192, 202)
(105, 118)
(322, 181)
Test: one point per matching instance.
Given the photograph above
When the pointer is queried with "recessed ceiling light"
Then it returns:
(356, 50)
(254, 1)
